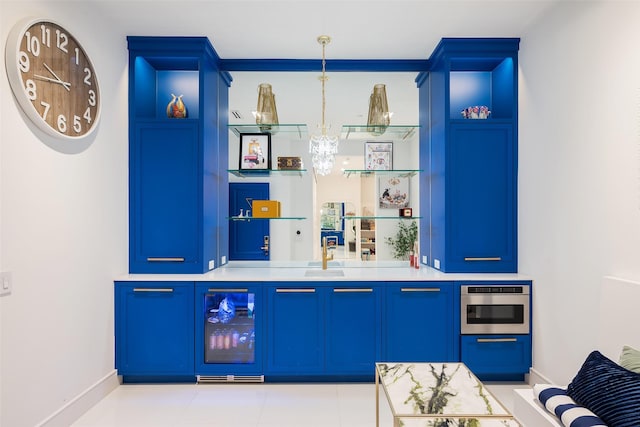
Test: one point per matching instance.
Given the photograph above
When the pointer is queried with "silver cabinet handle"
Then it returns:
(237, 291)
(496, 340)
(420, 289)
(152, 289)
(165, 259)
(490, 258)
(291, 290)
(336, 290)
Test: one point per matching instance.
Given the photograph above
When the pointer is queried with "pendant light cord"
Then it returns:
(323, 40)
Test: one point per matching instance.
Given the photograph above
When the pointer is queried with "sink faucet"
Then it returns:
(325, 258)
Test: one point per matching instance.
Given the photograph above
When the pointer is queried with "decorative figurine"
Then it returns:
(176, 108)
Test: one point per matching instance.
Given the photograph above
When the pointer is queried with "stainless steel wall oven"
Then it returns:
(495, 309)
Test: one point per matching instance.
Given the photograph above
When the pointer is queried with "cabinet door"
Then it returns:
(295, 329)
(481, 199)
(165, 198)
(353, 329)
(497, 357)
(420, 322)
(154, 328)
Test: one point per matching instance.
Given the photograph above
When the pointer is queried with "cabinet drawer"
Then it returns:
(497, 356)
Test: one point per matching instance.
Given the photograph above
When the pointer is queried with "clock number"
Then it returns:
(62, 123)
(92, 97)
(77, 124)
(87, 76)
(77, 56)
(33, 44)
(46, 35)
(61, 41)
(30, 89)
(23, 61)
(87, 115)
(46, 109)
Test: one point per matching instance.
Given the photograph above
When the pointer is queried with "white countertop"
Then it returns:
(289, 271)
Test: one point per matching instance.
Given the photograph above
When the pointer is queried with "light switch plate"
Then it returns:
(6, 285)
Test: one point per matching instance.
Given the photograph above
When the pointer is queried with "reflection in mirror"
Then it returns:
(339, 230)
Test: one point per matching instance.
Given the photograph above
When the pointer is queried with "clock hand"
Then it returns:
(66, 85)
(49, 79)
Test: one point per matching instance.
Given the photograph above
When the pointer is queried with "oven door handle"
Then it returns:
(496, 340)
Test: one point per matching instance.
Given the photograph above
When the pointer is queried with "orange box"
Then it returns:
(265, 209)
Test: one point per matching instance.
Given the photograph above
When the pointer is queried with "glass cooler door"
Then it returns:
(229, 326)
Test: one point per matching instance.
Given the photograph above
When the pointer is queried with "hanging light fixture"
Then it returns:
(379, 116)
(266, 112)
(323, 148)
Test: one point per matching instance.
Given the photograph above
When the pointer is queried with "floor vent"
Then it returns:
(211, 379)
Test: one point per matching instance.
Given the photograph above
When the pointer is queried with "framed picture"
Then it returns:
(255, 151)
(378, 156)
(393, 192)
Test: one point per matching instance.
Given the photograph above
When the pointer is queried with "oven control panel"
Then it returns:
(495, 289)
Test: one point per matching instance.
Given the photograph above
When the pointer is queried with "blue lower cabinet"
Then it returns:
(317, 331)
(154, 331)
(353, 332)
(497, 357)
(420, 322)
(229, 330)
(295, 329)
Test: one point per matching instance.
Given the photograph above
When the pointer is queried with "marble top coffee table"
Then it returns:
(438, 395)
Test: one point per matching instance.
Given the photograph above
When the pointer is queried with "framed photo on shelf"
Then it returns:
(393, 192)
(255, 151)
(378, 156)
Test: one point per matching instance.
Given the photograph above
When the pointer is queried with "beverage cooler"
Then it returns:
(228, 332)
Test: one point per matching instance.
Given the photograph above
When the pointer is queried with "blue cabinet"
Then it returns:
(322, 331)
(164, 186)
(177, 204)
(229, 338)
(420, 322)
(154, 327)
(470, 184)
(353, 331)
(497, 357)
(295, 329)
(481, 222)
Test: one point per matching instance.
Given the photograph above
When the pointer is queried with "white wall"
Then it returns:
(64, 233)
(579, 188)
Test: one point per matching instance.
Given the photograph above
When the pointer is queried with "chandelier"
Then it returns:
(323, 147)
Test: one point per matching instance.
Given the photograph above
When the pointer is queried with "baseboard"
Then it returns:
(536, 377)
(76, 407)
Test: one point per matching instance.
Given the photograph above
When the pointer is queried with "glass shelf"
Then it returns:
(382, 217)
(405, 173)
(402, 132)
(266, 172)
(295, 128)
(249, 218)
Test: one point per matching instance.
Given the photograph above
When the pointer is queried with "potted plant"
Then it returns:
(404, 239)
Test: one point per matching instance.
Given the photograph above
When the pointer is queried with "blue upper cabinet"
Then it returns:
(177, 210)
(470, 162)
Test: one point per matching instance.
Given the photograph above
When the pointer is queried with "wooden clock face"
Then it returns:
(53, 79)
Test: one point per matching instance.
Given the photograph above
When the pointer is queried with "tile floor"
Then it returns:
(249, 405)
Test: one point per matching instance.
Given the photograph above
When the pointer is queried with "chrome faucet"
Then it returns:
(325, 258)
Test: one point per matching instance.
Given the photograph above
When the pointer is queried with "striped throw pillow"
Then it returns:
(556, 401)
(609, 390)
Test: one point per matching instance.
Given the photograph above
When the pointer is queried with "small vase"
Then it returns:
(176, 108)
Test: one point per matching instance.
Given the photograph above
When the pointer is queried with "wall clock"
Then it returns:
(53, 79)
